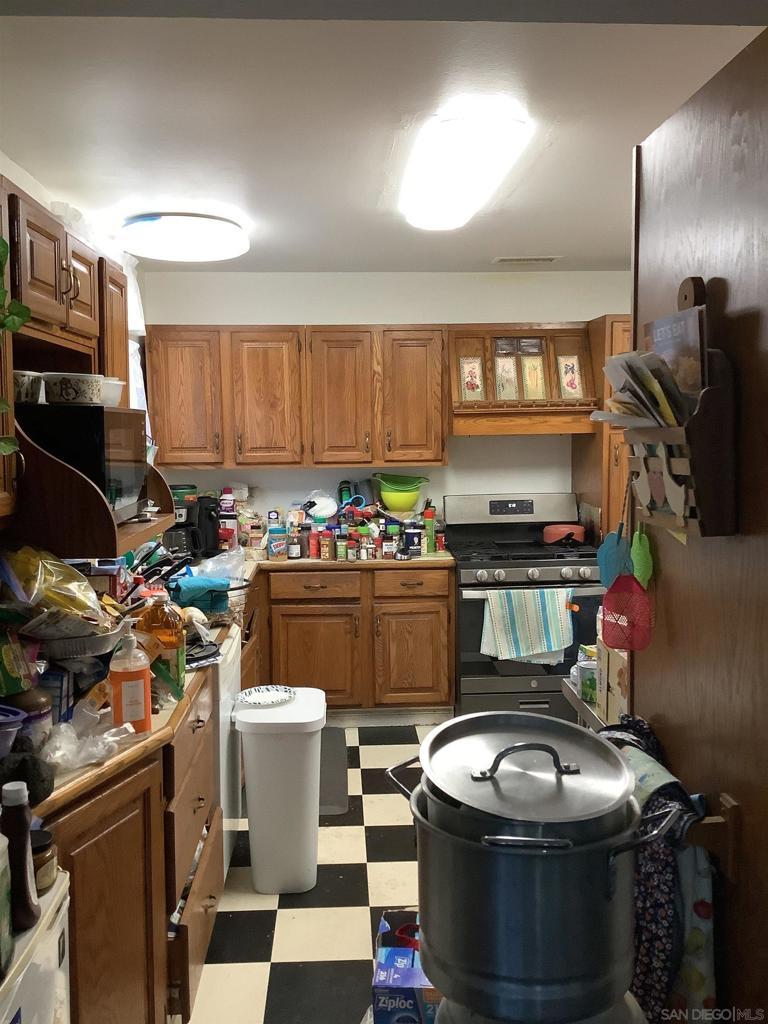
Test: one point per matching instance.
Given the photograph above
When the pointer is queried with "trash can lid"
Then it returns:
(305, 713)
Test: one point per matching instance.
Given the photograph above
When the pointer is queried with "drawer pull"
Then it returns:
(200, 802)
(411, 583)
(315, 586)
(378, 625)
(356, 622)
(197, 723)
(209, 904)
(539, 705)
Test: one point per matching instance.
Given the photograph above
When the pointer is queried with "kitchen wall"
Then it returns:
(404, 298)
(475, 465)
(11, 170)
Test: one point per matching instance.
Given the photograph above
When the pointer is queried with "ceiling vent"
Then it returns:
(524, 261)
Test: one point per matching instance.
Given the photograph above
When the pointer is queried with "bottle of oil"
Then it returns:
(162, 622)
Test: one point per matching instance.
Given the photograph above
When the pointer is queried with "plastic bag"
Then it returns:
(228, 565)
(324, 505)
(60, 599)
(65, 750)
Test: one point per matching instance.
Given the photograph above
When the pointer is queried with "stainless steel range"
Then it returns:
(497, 541)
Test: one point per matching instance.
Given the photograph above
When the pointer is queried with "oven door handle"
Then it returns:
(481, 595)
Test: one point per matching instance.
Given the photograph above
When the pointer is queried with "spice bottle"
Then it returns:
(364, 535)
(313, 544)
(352, 550)
(15, 822)
(327, 546)
(294, 545)
(129, 677)
(342, 547)
(44, 859)
(429, 530)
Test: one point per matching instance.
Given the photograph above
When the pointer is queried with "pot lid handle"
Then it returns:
(486, 774)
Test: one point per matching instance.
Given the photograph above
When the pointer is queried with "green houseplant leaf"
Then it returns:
(8, 445)
(4, 250)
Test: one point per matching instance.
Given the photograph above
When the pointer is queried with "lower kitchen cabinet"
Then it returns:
(112, 846)
(319, 645)
(410, 652)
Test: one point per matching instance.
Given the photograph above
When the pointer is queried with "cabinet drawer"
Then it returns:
(186, 953)
(181, 751)
(411, 582)
(188, 812)
(292, 585)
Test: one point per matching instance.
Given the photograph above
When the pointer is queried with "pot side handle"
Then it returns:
(528, 842)
(486, 774)
(669, 820)
(400, 786)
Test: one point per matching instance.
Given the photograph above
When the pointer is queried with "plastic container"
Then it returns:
(281, 754)
(227, 501)
(112, 391)
(129, 677)
(37, 707)
(400, 493)
(277, 544)
(166, 625)
(11, 720)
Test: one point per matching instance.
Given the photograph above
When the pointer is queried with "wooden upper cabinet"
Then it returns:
(184, 375)
(266, 381)
(412, 395)
(113, 339)
(411, 652)
(319, 645)
(39, 263)
(341, 384)
(82, 299)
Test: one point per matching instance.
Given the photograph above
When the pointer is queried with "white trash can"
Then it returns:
(281, 753)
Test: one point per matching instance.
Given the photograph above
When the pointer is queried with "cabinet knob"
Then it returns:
(210, 903)
(200, 803)
(197, 723)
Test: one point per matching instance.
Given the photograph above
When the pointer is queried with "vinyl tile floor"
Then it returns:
(307, 958)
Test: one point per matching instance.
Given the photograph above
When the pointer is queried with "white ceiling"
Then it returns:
(305, 127)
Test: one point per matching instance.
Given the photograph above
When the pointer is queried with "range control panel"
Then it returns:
(517, 507)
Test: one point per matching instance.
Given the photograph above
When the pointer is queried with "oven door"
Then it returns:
(471, 611)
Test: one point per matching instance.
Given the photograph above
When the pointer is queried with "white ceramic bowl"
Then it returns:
(27, 386)
(112, 390)
(73, 388)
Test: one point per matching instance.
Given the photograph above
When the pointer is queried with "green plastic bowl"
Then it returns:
(400, 493)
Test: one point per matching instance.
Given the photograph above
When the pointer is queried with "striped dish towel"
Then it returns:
(523, 622)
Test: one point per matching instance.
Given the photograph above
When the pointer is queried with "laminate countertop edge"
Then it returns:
(442, 561)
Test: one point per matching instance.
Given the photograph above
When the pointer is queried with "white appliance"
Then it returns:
(230, 776)
(36, 988)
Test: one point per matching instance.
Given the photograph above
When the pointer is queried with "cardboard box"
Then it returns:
(613, 684)
(601, 678)
(401, 990)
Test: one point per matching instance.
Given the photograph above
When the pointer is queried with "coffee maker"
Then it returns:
(186, 537)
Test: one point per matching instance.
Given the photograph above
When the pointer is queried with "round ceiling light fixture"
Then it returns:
(183, 237)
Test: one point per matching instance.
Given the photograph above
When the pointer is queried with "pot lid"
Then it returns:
(526, 767)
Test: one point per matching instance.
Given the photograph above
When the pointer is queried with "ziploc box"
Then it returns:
(402, 993)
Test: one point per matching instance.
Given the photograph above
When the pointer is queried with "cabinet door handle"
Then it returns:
(217, 442)
(356, 623)
(70, 276)
(315, 586)
(210, 903)
(389, 440)
(378, 625)
(75, 282)
(411, 583)
(239, 440)
(367, 441)
(616, 448)
(197, 723)
(200, 802)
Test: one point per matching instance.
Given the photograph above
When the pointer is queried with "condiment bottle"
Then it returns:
(44, 859)
(429, 530)
(130, 679)
(294, 545)
(161, 621)
(14, 824)
(378, 547)
(304, 536)
(314, 544)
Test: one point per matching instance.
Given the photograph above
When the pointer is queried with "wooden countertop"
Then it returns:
(441, 560)
(70, 786)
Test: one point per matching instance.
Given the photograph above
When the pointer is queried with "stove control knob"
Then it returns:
(566, 572)
(499, 575)
(533, 574)
(585, 572)
(481, 575)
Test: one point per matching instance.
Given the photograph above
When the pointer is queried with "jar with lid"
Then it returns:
(314, 543)
(390, 542)
(45, 860)
(351, 550)
(304, 535)
(277, 544)
(342, 547)
(365, 538)
(327, 546)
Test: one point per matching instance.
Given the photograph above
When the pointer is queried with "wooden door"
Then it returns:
(618, 474)
(113, 340)
(39, 273)
(413, 395)
(184, 375)
(319, 645)
(83, 298)
(112, 846)
(342, 395)
(7, 462)
(266, 381)
(411, 652)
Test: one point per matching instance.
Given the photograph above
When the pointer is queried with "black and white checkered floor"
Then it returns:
(307, 959)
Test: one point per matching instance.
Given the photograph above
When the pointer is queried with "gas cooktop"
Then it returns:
(519, 551)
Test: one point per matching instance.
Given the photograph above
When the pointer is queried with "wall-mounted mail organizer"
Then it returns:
(684, 477)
